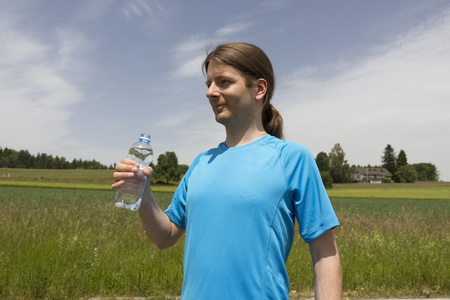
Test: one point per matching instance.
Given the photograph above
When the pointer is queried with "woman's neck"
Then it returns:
(240, 137)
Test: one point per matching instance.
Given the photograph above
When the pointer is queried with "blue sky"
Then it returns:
(83, 79)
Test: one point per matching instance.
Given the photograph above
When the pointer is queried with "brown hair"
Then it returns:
(253, 63)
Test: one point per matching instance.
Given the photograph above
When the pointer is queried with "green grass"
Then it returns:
(65, 179)
(60, 243)
(80, 186)
(78, 176)
(394, 247)
(102, 180)
(388, 248)
(74, 243)
(393, 192)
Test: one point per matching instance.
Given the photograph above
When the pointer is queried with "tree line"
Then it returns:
(10, 158)
(167, 170)
(334, 168)
(403, 172)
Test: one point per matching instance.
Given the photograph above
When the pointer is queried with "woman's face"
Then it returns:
(232, 101)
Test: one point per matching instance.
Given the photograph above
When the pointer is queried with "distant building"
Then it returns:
(371, 175)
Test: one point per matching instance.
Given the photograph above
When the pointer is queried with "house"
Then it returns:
(371, 175)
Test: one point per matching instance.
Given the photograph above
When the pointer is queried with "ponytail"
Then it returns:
(272, 121)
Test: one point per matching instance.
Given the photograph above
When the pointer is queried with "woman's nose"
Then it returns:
(212, 91)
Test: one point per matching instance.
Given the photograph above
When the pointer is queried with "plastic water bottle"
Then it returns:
(129, 196)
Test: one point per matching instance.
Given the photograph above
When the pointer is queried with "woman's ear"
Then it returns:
(261, 88)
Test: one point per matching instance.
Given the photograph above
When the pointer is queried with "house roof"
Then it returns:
(373, 171)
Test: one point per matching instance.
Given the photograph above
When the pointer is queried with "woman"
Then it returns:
(238, 202)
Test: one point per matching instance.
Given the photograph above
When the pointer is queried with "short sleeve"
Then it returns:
(177, 208)
(312, 205)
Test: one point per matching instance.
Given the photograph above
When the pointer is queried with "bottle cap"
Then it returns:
(145, 138)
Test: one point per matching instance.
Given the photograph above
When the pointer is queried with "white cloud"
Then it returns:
(192, 44)
(188, 56)
(16, 48)
(190, 68)
(72, 50)
(36, 97)
(232, 29)
(47, 88)
(94, 9)
(399, 96)
(143, 8)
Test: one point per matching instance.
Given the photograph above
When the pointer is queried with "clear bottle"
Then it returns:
(129, 196)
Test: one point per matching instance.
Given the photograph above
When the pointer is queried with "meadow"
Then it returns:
(72, 243)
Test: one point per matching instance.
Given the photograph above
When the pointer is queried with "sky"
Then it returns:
(83, 79)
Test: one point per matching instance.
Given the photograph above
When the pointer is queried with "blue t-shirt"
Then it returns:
(238, 206)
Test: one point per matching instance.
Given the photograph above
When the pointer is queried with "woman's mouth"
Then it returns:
(219, 107)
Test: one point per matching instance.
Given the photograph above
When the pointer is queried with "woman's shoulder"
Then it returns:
(287, 147)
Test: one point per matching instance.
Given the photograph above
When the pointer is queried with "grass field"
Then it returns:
(65, 179)
(78, 176)
(74, 243)
(102, 180)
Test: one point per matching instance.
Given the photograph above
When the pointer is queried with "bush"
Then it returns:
(406, 174)
(327, 179)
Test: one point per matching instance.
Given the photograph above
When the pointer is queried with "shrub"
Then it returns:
(406, 174)
(327, 179)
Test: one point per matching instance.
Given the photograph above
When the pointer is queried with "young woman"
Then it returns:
(238, 202)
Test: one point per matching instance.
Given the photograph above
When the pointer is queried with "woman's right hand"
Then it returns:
(127, 168)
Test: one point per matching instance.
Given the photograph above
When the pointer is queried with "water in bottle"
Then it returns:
(129, 196)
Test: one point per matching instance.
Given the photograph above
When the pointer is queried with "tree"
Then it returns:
(167, 167)
(183, 169)
(24, 160)
(326, 179)
(401, 159)
(5, 160)
(426, 172)
(389, 159)
(339, 168)
(12, 158)
(323, 162)
(406, 174)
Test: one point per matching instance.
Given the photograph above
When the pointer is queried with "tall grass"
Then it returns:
(395, 248)
(72, 244)
(389, 248)
(63, 243)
